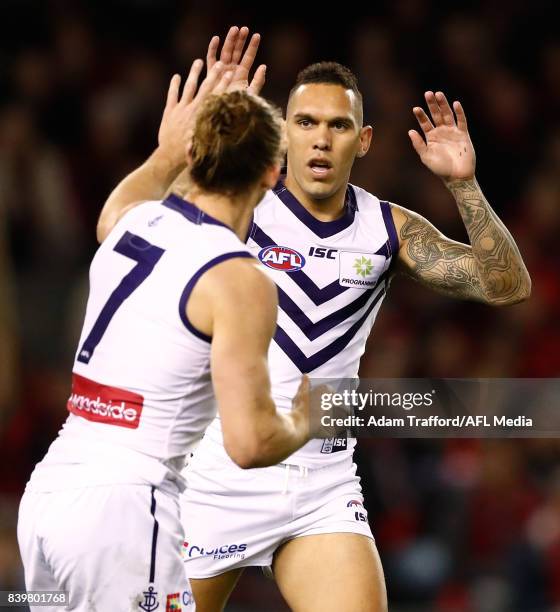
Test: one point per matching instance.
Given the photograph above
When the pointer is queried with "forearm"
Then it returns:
(148, 182)
(499, 266)
(280, 437)
(256, 434)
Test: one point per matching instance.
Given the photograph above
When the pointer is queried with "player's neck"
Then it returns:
(323, 209)
(236, 212)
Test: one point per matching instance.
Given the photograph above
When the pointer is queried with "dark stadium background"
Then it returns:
(462, 525)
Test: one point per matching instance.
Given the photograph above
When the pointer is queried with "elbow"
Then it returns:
(245, 461)
(517, 297)
(244, 454)
(101, 232)
(253, 451)
(525, 292)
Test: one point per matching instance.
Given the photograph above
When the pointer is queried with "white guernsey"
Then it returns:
(332, 278)
(134, 414)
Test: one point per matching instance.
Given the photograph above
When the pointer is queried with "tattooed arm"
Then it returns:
(490, 269)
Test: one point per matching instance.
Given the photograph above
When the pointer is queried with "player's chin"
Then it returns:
(320, 189)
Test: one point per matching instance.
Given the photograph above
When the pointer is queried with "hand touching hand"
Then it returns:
(180, 109)
(236, 61)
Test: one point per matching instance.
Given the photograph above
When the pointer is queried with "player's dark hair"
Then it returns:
(330, 73)
(237, 136)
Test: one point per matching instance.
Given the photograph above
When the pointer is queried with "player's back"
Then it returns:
(141, 389)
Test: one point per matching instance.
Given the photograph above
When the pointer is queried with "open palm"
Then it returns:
(180, 110)
(237, 61)
(447, 149)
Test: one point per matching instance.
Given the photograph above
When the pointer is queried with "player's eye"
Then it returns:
(304, 123)
(340, 126)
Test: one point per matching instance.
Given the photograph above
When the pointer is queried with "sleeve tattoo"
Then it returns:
(489, 270)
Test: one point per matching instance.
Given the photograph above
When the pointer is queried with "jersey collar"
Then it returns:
(323, 229)
(190, 211)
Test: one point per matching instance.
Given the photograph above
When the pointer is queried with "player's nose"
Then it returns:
(322, 138)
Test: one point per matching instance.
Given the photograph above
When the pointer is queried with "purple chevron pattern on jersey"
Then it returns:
(328, 306)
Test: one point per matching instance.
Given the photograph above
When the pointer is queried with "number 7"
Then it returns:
(147, 255)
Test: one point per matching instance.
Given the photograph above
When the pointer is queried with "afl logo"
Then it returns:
(282, 258)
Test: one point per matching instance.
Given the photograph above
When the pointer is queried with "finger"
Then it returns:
(240, 43)
(223, 83)
(211, 81)
(212, 51)
(192, 81)
(446, 112)
(259, 78)
(173, 91)
(433, 106)
(422, 119)
(303, 386)
(249, 56)
(461, 117)
(417, 141)
(229, 45)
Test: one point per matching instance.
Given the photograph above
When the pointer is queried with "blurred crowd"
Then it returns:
(462, 525)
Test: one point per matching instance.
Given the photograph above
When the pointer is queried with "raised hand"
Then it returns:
(180, 109)
(236, 61)
(153, 178)
(447, 150)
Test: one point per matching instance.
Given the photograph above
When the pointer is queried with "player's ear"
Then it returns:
(366, 134)
(271, 176)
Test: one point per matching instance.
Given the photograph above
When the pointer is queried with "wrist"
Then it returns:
(455, 183)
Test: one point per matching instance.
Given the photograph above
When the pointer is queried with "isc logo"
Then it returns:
(323, 252)
(333, 445)
(282, 258)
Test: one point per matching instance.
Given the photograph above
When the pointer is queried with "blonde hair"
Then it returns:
(237, 136)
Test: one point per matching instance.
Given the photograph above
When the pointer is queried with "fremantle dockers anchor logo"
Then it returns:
(150, 602)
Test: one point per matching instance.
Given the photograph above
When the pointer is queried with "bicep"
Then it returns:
(437, 262)
(243, 322)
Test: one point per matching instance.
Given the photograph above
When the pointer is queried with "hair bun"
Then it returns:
(236, 137)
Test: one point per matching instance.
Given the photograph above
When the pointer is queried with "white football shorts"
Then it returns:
(111, 547)
(236, 518)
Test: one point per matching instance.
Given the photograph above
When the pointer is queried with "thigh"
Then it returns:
(349, 578)
(37, 573)
(232, 518)
(116, 547)
(211, 594)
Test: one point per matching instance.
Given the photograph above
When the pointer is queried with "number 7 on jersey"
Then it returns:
(146, 255)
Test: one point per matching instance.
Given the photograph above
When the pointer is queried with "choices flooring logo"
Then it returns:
(227, 551)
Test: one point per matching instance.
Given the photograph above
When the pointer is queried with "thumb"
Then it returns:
(258, 80)
(302, 394)
(417, 142)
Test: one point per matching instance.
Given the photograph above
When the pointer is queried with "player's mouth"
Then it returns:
(320, 167)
